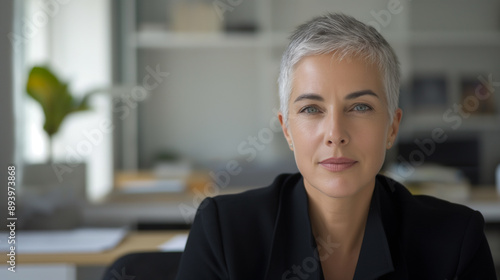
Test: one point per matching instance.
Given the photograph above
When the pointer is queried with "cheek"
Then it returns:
(306, 136)
(307, 131)
(371, 139)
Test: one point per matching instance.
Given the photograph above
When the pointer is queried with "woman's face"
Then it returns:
(338, 123)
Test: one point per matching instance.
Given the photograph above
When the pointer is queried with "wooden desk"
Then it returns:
(133, 242)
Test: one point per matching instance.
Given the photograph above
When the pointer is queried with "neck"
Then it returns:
(340, 220)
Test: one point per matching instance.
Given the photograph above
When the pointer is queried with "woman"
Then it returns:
(337, 218)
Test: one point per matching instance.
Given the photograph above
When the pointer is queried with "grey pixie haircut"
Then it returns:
(347, 37)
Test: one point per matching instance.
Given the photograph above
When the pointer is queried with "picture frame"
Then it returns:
(475, 95)
(429, 93)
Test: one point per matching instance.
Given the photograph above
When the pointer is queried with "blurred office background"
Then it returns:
(215, 94)
(188, 89)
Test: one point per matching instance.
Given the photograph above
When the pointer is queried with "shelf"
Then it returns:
(171, 40)
(155, 39)
(454, 38)
(421, 122)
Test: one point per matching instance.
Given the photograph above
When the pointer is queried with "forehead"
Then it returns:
(328, 72)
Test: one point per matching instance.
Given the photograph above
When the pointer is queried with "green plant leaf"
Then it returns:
(42, 85)
(82, 105)
(54, 97)
(59, 109)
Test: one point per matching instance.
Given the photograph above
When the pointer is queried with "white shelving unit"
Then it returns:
(138, 41)
(256, 56)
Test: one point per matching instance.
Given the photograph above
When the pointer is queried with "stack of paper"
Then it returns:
(85, 240)
(176, 244)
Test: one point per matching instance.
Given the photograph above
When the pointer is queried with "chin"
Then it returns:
(340, 185)
(339, 189)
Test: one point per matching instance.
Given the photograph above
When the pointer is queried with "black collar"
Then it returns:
(294, 250)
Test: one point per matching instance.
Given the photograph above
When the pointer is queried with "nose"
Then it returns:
(336, 130)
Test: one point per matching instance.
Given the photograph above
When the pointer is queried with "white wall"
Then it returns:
(81, 49)
(76, 43)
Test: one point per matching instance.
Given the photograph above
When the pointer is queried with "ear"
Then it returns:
(286, 132)
(394, 128)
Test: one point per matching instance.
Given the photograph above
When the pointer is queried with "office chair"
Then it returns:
(144, 266)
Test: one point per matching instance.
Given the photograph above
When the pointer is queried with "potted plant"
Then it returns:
(55, 99)
(49, 202)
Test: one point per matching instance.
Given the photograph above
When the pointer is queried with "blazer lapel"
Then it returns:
(375, 257)
(293, 253)
(391, 219)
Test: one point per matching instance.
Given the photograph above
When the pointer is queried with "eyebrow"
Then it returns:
(352, 95)
(310, 96)
(360, 93)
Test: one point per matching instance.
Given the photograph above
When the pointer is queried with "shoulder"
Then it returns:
(421, 206)
(422, 217)
(436, 234)
(231, 227)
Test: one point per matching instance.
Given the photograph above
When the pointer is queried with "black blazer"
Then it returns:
(266, 234)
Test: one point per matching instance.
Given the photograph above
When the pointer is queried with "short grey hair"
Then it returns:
(347, 37)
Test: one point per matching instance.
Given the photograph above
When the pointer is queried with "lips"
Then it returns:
(337, 164)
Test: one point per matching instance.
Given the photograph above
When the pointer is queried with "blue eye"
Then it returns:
(310, 110)
(362, 108)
